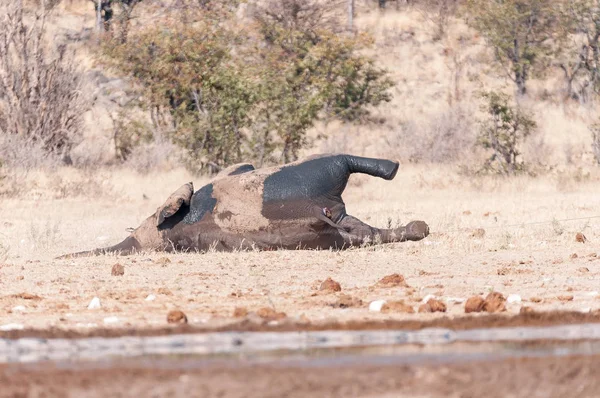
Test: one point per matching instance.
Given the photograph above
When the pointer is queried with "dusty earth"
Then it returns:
(487, 235)
(545, 377)
(541, 263)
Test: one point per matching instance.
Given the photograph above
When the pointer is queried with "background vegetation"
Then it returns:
(477, 84)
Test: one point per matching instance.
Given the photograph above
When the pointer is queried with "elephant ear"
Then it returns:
(178, 198)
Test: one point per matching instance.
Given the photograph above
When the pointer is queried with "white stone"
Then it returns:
(591, 294)
(151, 297)
(375, 306)
(94, 304)
(111, 319)
(428, 297)
(18, 308)
(585, 310)
(457, 300)
(513, 299)
(86, 325)
(11, 326)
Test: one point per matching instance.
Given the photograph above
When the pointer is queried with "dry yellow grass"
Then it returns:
(430, 74)
(531, 260)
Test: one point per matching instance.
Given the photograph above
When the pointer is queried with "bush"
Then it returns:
(41, 104)
(442, 138)
(503, 131)
(227, 94)
(595, 130)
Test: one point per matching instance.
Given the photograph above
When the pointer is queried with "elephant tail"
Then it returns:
(128, 246)
(382, 168)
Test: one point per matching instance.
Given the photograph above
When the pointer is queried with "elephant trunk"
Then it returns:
(128, 246)
(382, 168)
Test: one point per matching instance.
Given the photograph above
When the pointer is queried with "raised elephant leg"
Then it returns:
(358, 232)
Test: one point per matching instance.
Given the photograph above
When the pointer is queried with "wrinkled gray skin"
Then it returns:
(296, 206)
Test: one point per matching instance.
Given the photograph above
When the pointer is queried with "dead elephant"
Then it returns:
(296, 206)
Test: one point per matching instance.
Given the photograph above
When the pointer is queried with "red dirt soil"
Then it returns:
(546, 377)
(250, 324)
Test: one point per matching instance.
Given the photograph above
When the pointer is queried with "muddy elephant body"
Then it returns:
(296, 206)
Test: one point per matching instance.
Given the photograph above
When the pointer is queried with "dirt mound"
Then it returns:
(494, 302)
(397, 306)
(346, 301)
(269, 314)
(176, 316)
(392, 280)
(117, 270)
(433, 305)
(329, 285)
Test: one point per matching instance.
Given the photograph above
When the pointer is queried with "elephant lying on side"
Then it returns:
(296, 206)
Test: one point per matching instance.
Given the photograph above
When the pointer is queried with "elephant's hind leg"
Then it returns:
(359, 232)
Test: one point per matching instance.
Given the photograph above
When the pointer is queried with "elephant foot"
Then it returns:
(416, 230)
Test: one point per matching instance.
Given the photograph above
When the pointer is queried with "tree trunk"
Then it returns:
(98, 17)
(350, 15)
(520, 82)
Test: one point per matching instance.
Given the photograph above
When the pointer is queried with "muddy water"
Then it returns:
(313, 348)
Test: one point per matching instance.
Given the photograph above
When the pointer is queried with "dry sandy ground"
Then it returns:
(83, 211)
(562, 377)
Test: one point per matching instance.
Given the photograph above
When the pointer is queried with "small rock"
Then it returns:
(18, 308)
(573, 256)
(513, 299)
(397, 306)
(270, 314)
(375, 306)
(494, 302)
(150, 297)
(346, 301)
(579, 237)
(535, 299)
(329, 285)
(117, 270)
(27, 296)
(164, 291)
(176, 316)
(526, 310)
(392, 280)
(433, 305)
(568, 297)
(478, 233)
(583, 270)
(94, 304)
(592, 293)
(11, 326)
(110, 320)
(427, 298)
(86, 325)
(474, 304)
(240, 312)
(585, 310)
